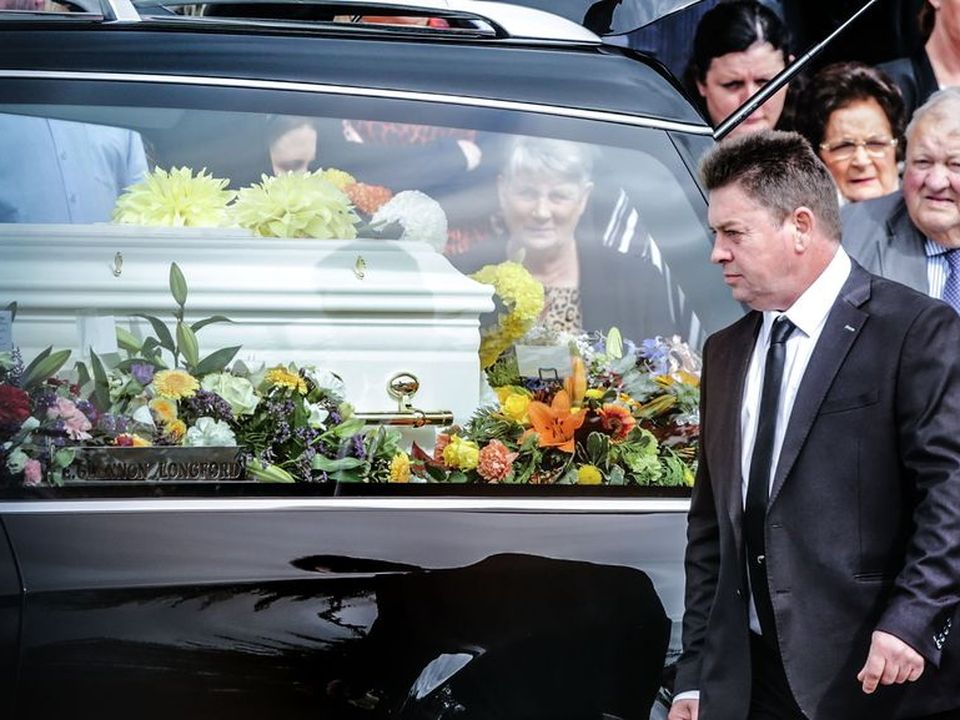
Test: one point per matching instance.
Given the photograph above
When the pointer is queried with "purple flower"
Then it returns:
(657, 355)
(142, 373)
(88, 409)
(357, 449)
(107, 423)
(208, 404)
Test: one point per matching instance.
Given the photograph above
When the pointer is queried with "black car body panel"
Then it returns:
(604, 79)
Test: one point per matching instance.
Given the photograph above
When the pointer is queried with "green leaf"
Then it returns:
(347, 476)
(597, 448)
(178, 285)
(187, 343)
(616, 476)
(83, 375)
(216, 361)
(269, 473)
(162, 331)
(349, 428)
(101, 387)
(457, 477)
(569, 477)
(209, 321)
(46, 368)
(12, 307)
(127, 340)
(41, 356)
(615, 343)
(329, 465)
(62, 458)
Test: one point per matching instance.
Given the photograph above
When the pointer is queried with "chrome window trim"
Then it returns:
(440, 504)
(287, 85)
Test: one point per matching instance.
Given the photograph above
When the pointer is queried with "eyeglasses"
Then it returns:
(845, 149)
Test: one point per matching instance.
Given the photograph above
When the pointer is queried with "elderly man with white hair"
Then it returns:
(913, 236)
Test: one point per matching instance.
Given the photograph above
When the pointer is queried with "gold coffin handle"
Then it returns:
(412, 418)
(402, 387)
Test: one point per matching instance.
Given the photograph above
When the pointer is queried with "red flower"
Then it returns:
(617, 421)
(14, 404)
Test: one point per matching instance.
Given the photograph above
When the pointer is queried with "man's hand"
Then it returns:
(684, 710)
(889, 661)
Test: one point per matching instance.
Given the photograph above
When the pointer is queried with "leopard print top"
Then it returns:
(561, 309)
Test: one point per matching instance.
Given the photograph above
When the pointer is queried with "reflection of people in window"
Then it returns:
(57, 171)
(292, 143)
(543, 189)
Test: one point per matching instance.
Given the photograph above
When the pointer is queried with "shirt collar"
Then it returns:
(933, 248)
(810, 310)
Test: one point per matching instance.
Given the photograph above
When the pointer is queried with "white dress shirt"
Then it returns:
(809, 314)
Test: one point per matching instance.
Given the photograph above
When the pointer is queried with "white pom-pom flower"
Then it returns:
(420, 216)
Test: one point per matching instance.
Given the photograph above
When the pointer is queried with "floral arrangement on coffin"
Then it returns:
(519, 298)
(627, 415)
(293, 423)
(324, 204)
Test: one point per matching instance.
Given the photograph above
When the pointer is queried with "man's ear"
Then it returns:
(804, 222)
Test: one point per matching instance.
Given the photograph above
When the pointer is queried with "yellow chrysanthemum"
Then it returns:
(594, 393)
(340, 179)
(296, 205)
(282, 377)
(175, 199)
(175, 384)
(164, 409)
(589, 475)
(462, 454)
(175, 429)
(523, 296)
(400, 468)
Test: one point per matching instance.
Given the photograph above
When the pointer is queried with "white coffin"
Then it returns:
(406, 309)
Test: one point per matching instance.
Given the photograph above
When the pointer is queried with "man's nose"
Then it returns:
(936, 178)
(720, 253)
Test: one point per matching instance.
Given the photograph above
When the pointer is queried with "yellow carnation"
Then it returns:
(175, 429)
(175, 384)
(164, 409)
(281, 377)
(400, 468)
(338, 178)
(523, 296)
(589, 475)
(462, 454)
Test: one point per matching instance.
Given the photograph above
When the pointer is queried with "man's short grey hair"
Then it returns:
(778, 170)
(563, 159)
(942, 105)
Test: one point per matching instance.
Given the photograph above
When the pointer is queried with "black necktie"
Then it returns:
(758, 488)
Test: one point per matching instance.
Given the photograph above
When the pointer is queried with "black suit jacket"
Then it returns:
(863, 526)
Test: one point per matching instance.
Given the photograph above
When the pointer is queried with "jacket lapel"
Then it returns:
(842, 327)
(741, 345)
(902, 256)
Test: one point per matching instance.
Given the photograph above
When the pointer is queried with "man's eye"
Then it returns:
(732, 85)
(921, 163)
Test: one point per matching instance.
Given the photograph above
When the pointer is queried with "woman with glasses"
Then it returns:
(853, 116)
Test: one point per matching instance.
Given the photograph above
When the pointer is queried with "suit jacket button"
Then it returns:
(760, 559)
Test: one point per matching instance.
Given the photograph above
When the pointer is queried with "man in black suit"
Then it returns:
(823, 558)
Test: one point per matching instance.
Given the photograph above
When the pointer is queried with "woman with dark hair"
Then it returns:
(853, 116)
(937, 64)
(738, 48)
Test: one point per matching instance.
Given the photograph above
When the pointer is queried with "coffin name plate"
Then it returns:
(155, 464)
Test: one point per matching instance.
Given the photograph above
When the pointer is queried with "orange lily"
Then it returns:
(576, 384)
(555, 424)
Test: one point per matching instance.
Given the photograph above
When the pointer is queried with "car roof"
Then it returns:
(598, 78)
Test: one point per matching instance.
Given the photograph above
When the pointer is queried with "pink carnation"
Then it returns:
(496, 462)
(32, 472)
(443, 439)
(74, 422)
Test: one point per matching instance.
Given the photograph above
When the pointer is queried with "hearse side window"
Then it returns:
(605, 216)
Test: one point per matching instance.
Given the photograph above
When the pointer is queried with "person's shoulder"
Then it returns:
(485, 252)
(903, 304)
(877, 210)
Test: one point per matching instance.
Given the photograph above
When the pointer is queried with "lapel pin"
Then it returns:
(851, 329)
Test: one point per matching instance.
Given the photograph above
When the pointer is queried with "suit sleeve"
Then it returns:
(927, 589)
(702, 562)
